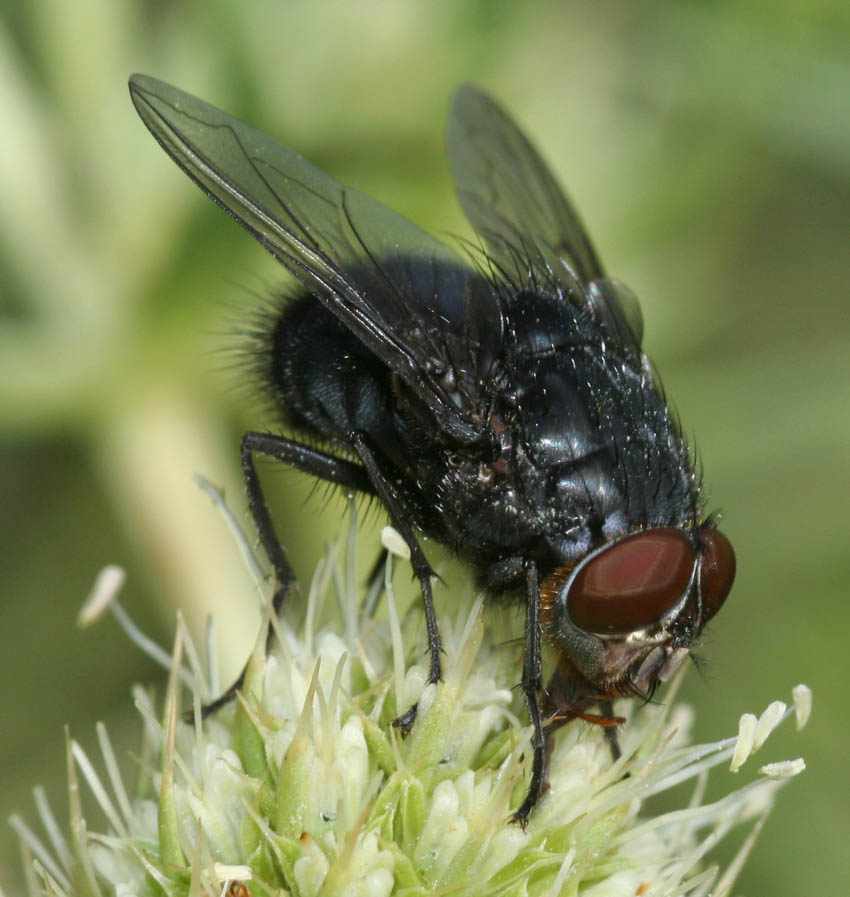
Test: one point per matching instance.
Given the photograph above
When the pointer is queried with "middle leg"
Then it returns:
(531, 685)
(421, 568)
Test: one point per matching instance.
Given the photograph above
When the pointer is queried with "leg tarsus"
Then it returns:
(207, 710)
(404, 723)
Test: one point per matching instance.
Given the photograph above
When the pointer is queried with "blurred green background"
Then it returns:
(707, 146)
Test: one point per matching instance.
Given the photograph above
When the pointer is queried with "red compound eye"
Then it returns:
(633, 583)
(717, 570)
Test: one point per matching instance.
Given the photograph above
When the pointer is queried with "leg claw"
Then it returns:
(404, 723)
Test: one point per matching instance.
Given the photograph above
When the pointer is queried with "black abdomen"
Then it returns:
(324, 379)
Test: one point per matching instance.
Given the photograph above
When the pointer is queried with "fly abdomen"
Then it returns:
(323, 377)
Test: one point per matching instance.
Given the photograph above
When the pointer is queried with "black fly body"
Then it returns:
(504, 409)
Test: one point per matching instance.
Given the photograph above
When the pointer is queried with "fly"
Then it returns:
(500, 402)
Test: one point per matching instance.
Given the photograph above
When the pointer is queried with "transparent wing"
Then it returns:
(530, 230)
(410, 298)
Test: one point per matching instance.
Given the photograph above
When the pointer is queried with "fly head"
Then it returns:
(624, 618)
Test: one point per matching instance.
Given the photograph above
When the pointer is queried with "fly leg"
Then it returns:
(304, 458)
(532, 684)
(375, 583)
(388, 494)
(607, 708)
(561, 704)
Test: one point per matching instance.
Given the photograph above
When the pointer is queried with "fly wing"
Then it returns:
(408, 297)
(531, 232)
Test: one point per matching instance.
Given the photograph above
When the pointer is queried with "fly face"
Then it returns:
(625, 616)
(501, 404)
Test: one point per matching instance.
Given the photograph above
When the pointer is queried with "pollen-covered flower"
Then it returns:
(302, 786)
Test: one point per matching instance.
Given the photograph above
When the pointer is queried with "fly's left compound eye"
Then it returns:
(717, 570)
(632, 584)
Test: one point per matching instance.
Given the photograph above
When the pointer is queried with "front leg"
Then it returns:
(531, 685)
(609, 730)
